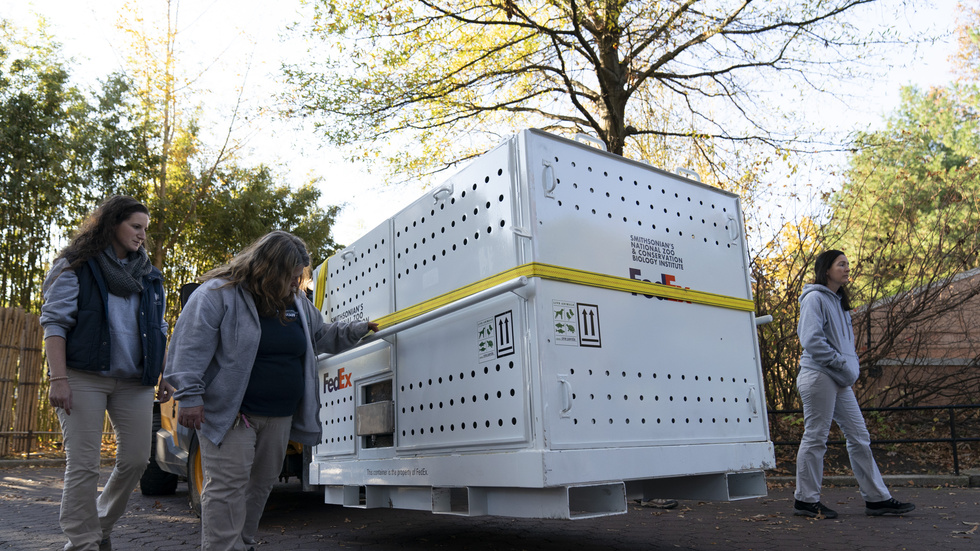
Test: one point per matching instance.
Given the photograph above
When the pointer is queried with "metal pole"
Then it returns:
(952, 434)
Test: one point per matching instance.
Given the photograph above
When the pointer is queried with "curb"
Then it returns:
(16, 463)
(970, 480)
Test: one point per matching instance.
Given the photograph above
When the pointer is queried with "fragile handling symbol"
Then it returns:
(589, 332)
(588, 322)
(504, 324)
(504, 331)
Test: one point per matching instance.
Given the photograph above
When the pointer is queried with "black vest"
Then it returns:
(88, 344)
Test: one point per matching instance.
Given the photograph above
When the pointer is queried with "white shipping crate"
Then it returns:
(563, 330)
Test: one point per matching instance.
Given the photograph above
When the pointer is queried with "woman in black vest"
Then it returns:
(105, 340)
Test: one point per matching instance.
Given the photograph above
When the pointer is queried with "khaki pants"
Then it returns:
(85, 518)
(238, 476)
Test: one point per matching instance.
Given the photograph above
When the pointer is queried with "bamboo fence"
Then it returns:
(21, 364)
(9, 358)
(26, 416)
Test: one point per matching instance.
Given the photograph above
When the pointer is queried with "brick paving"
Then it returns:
(947, 518)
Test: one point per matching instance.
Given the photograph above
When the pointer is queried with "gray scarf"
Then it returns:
(124, 279)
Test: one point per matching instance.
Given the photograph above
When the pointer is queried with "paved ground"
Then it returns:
(947, 518)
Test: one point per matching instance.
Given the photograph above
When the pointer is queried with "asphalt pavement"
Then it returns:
(946, 517)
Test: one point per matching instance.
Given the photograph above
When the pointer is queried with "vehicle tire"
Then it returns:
(195, 477)
(156, 481)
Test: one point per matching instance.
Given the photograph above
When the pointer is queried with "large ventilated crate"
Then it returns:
(559, 324)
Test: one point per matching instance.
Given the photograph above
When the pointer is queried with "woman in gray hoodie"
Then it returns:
(243, 361)
(105, 340)
(828, 367)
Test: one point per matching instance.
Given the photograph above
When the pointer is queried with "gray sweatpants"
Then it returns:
(825, 401)
(87, 519)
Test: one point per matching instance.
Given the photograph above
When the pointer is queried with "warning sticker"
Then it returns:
(485, 340)
(588, 317)
(495, 337)
(504, 326)
(566, 322)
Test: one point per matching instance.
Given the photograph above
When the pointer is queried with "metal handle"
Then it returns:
(348, 254)
(688, 173)
(732, 228)
(751, 399)
(587, 138)
(566, 396)
(762, 320)
(548, 180)
(522, 232)
(444, 192)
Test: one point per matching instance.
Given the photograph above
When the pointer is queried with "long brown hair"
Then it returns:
(265, 269)
(821, 266)
(95, 233)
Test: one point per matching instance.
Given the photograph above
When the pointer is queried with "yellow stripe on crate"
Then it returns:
(321, 283)
(570, 275)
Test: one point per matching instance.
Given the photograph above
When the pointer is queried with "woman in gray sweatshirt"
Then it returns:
(243, 361)
(828, 367)
(105, 340)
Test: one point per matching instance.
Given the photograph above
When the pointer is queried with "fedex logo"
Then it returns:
(665, 279)
(341, 381)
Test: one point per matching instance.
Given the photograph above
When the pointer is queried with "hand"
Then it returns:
(59, 394)
(373, 326)
(191, 418)
(165, 391)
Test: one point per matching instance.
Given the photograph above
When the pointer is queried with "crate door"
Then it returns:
(623, 370)
(601, 213)
(359, 282)
(459, 233)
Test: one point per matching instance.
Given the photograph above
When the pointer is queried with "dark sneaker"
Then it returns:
(815, 510)
(890, 506)
(105, 545)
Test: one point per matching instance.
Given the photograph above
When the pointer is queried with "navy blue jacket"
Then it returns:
(87, 343)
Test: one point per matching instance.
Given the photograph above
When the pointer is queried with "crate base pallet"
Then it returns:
(438, 485)
(563, 330)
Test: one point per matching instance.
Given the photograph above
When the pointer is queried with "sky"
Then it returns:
(236, 44)
(232, 44)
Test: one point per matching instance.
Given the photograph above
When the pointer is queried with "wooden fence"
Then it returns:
(21, 365)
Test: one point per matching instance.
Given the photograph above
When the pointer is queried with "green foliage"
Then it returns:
(909, 211)
(795, 420)
(245, 204)
(124, 161)
(43, 158)
(249, 204)
(779, 275)
(206, 203)
(63, 151)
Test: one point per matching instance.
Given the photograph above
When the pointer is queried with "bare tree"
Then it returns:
(432, 71)
(779, 275)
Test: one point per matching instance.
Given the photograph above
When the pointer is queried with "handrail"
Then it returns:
(454, 306)
(953, 439)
